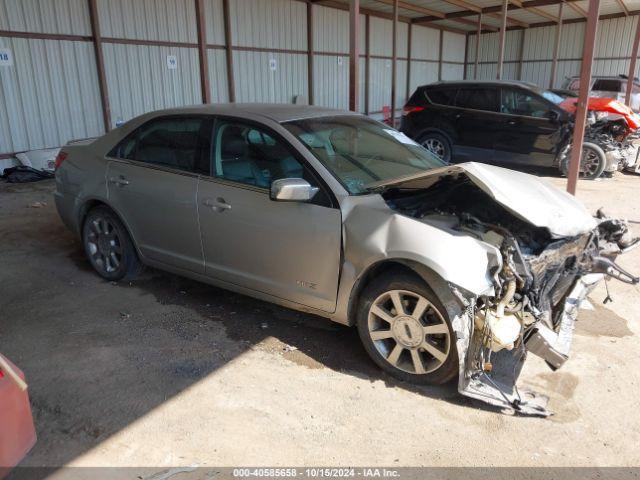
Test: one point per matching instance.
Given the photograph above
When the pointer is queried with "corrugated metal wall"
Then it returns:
(274, 76)
(51, 94)
(425, 51)
(168, 20)
(331, 58)
(69, 17)
(613, 49)
(138, 77)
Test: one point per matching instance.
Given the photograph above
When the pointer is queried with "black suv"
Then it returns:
(500, 122)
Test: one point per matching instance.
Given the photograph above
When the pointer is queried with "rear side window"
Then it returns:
(418, 98)
(442, 96)
(182, 143)
(607, 85)
(478, 99)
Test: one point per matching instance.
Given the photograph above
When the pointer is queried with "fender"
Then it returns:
(380, 236)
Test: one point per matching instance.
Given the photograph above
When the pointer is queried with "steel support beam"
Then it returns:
(203, 60)
(478, 37)
(503, 31)
(367, 61)
(466, 56)
(556, 47)
(521, 53)
(440, 42)
(102, 79)
(226, 13)
(632, 64)
(583, 95)
(354, 54)
(409, 40)
(394, 63)
(310, 70)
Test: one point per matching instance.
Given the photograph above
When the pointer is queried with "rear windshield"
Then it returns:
(607, 85)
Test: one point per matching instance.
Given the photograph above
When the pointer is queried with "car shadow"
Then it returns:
(98, 356)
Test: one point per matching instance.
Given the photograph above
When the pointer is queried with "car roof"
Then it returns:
(279, 112)
(484, 83)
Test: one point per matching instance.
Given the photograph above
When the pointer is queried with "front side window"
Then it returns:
(478, 99)
(182, 143)
(359, 151)
(519, 102)
(249, 155)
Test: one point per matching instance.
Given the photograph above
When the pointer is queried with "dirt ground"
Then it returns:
(166, 371)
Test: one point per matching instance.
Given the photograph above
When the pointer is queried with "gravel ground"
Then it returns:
(166, 371)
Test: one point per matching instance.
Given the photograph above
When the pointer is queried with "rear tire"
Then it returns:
(592, 162)
(437, 144)
(108, 246)
(416, 344)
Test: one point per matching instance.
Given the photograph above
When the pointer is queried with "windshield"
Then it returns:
(552, 97)
(359, 151)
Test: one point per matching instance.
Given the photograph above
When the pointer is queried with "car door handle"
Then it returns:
(218, 205)
(119, 181)
(512, 122)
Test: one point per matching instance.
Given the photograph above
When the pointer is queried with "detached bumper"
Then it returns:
(498, 386)
(554, 347)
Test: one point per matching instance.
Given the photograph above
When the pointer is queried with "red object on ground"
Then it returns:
(598, 104)
(17, 433)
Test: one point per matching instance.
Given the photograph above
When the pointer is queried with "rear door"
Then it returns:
(289, 250)
(527, 133)
(477, 119)
(152, 183)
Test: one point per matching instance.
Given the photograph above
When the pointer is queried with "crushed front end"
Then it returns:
(538, 285)
(538, 291)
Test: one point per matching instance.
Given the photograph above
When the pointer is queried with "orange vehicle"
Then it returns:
(17, 433)
(606, 105)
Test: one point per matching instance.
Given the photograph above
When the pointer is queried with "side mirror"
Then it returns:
(553, 115)
(292, 190)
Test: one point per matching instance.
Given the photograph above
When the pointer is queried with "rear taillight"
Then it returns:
(411, 109)
(62, 156)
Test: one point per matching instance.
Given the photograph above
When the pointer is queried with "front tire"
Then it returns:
(406, 331)
(108, 246)
(437, 144)
(592, 162)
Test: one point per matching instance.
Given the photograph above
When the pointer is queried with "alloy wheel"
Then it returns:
(589, 162)
(409, 331)
(104, 245)
(435, 146)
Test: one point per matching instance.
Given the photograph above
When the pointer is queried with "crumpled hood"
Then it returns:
(528, 197)
(603, 104)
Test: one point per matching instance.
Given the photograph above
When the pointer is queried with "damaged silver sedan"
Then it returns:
(447, 271)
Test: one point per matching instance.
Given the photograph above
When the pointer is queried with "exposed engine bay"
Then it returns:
(538, 283)
(616, 138)
(614, 128)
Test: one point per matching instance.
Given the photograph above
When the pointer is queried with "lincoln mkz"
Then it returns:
(448, 271)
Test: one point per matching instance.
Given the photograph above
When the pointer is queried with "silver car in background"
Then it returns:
(447, 271)
(608, 87)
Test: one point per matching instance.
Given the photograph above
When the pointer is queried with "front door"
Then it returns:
(527, 135)
(289, 250)
(152, 180)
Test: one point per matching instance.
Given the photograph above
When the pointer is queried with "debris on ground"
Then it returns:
(22, 174)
